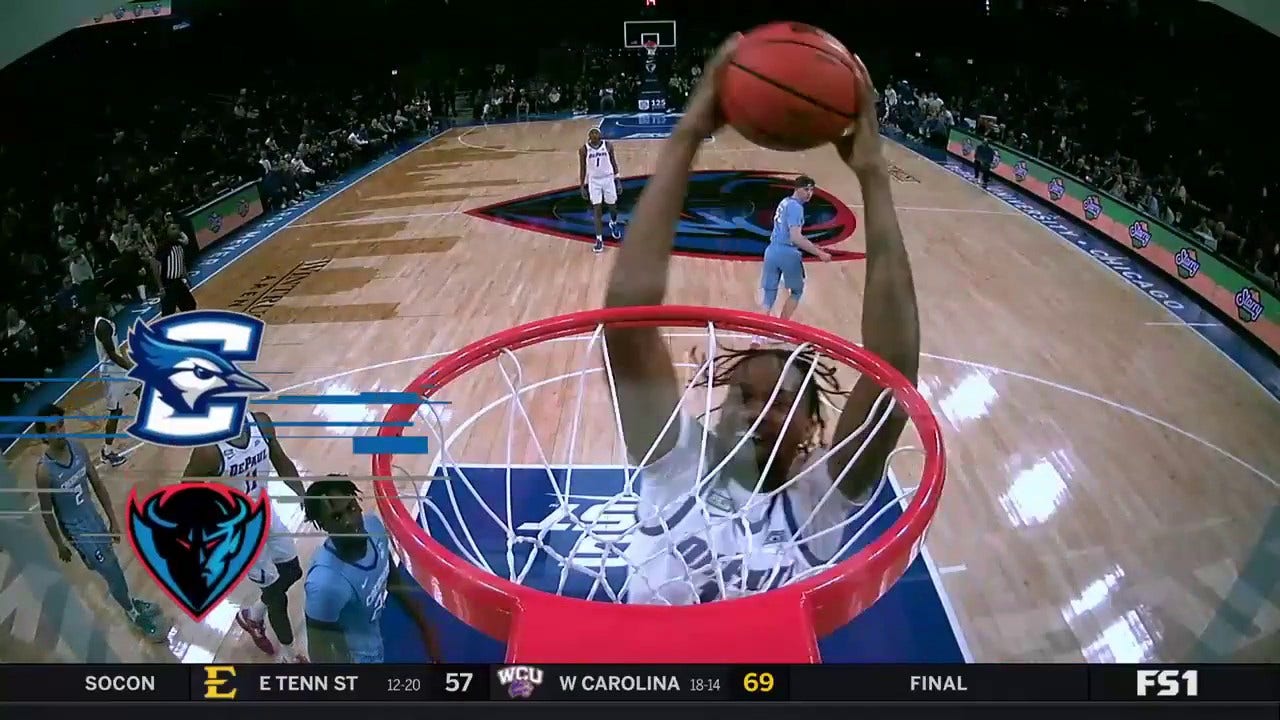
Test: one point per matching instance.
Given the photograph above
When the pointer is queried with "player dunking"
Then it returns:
(784, 257)
(112, 368)
(350, 577)
(598, 178)
(277, 568)
(68, 482)
(746, 554)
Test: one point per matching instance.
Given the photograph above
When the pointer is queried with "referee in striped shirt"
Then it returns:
(170, 267)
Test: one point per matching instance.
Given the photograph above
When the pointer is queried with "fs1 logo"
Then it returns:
(1249, 304)
(1168, 683)
(1057, 189)
(192, 391)
(520, 680)
(197, 540)
(1188, 263)
(1140, 234)
(1092, 207)
(1020, 170)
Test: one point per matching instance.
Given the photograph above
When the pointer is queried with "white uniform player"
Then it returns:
(759, 548)
(116, 386)
(598, 175)
(602, 177)
(252, 465)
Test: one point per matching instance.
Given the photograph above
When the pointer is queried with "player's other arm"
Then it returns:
(44, 486)
(795, 220)
(324, 602)
(103, 332)
(890, 319)
(400, 588)
(280, 460)
(104, 499)
(582, 170)
(617, 171)
(205, 462)
(646, 380)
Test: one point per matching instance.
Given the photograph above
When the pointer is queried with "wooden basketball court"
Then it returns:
(1110, 479)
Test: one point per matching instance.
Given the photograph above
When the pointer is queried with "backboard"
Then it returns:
(635, 33)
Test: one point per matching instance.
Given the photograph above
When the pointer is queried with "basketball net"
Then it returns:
(602, 564)
(651, 50)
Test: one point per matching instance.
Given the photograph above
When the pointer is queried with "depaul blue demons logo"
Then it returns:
(727, 214)
(197, 540)
(192, 391)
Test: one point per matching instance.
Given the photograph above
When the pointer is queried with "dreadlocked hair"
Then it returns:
(334, 485)
(823, 384)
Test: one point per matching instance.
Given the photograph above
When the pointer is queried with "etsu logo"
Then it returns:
(1057, 189)
(1139, 234)
(1249, 304)
(966, 148)
(1092, 207)
(1020, 170)
(1187, 262)
(727, 214)
(192, 391)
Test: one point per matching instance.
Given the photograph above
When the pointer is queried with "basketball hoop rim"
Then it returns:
(830, 599)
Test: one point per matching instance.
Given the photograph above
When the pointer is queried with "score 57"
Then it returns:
(458, 682)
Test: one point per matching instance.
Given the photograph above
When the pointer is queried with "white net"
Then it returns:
(536, 486)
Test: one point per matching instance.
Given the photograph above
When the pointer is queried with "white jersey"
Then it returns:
(106, 366)
(599, 164)
(757, 548)
(247, 462)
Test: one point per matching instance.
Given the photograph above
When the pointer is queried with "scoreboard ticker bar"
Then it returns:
(1023, 683)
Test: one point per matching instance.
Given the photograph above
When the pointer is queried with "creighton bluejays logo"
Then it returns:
(197, 540)
(727, 214)
(1057, 189)
(192, 391)
(1092, 207)
(1020, 170)
(1188, 263)
(1140, 234)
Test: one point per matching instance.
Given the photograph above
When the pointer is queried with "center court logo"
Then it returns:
(727, 214)
(520, 680)
(193, 393)
(197, 540)
(1188, 263)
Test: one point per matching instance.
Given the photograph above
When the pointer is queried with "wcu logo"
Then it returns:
(192, 391)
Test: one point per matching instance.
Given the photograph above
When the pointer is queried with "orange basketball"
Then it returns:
(789, 86)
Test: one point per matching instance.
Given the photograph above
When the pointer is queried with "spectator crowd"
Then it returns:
(81, 236)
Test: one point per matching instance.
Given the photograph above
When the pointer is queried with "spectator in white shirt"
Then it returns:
(355, 140)
(79, 267)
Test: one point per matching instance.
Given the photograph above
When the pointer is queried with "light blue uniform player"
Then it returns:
(68, 482)
(349, 579)
(784, 258)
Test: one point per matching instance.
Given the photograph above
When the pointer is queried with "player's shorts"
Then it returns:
(786, 263)
(280, 548)
(602, 190)
(116, 389)
(91, 543)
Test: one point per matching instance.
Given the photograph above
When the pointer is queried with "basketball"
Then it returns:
(789, 86)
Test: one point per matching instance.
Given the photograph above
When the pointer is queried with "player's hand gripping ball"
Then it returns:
(790, 86)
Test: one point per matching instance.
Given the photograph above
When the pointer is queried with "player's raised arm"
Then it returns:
(641, 363)
(890, 320)
(280, 459)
